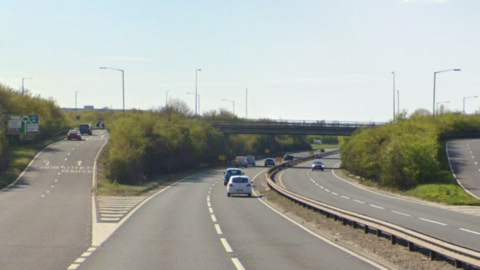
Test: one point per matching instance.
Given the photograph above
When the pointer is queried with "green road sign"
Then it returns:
(23, 124)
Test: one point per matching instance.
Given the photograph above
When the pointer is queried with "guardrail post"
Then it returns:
(394, 239)
(433, 255)
(335, 217)
(355, 224)
(344, 221)
(379, 233)
(458, 264)
(365, 229)
(411, 246)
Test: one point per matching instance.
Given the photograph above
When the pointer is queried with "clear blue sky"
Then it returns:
(307, 59)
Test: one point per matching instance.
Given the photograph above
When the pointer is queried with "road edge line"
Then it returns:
(346, 250)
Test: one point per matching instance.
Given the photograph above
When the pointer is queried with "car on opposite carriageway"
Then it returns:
(317, 165)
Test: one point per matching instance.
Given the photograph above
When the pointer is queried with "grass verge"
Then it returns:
(19, 157)
(324, 146)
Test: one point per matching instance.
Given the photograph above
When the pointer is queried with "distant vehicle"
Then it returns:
(287, 157)
(74, 135)
(270, 161)
(239, 185)
(322, 150)
(317, 141)
(231, 172)
(85, 128)
(100, 123)
(251, 160)
(317, 165)
(241, 161)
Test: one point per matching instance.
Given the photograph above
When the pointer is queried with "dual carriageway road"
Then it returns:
(46, 221)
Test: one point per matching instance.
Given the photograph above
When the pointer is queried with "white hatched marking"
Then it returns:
(112, 212)
(79, 260)
(110, 219)
(226, 245)
(86, 254)
(73, 266)
(111, 215)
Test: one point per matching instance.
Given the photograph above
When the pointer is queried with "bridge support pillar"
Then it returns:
(272, 143)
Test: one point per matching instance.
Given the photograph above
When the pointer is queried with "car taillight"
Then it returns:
(231, 185)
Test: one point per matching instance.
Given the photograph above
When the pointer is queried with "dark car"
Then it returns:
(270, 161)
(74, 135)
(251, 161)
(231, 172)
(317, 165)
(322, 150)
(85, 128)
(288, 157)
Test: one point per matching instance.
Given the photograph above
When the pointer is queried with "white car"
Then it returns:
(239, 185)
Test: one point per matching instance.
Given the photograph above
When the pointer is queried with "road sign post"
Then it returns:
(24, 125)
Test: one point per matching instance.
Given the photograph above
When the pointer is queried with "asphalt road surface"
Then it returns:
(464, 160)
(457, 228)
(45, 218)
(194, 225)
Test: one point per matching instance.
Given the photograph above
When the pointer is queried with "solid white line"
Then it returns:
(226, 245)
(373, 263)
(238, 264)
(336, 194)
(400, 213)
(345, 197)
(210, 210)
(217, 228)
(469, 231)
(376, 206)
(214, 219)
(433, 221)
(359, 201)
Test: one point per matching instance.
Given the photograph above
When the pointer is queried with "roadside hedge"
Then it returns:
(407, 153)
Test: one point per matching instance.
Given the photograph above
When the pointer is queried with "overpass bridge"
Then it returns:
(297, 127)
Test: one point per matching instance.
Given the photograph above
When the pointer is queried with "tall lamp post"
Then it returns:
(197, 98)
(233, 102)
(196, 94)
(398, 102)
(393, 96)
(464, 102)
(123, 85)
(76, 102)
(246, 103)
(434, 82)
(23, 84)
(438, 103)
(166, 97)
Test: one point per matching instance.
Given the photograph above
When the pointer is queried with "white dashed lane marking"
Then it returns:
(345, 197)
(336, 194)
(217, 228)
(214, 219)
(376, 206)
(433, 221)
(238, 264)
(210, 210)
(226, 245)
(400, 213)
(359, 201)
(469, 231)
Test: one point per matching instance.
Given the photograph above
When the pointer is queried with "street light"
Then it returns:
(123, 85)
(76, 101)
(196, 98)
(23, 83)
(434, 82)
(166, 97)
(196, 94)
(398, 102)
(233, 102)
(464, 101)
(246, 103)
(393, 96)
(442, 103)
